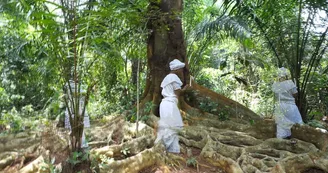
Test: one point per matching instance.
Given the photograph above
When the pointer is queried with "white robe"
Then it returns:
(286, 111)
(170, 118)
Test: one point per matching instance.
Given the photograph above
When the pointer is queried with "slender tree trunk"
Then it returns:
(134, 72)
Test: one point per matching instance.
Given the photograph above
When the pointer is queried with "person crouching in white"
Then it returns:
(286, 111)
(170, 118)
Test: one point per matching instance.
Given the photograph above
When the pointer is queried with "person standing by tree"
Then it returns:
(286, 111)
(170, 117)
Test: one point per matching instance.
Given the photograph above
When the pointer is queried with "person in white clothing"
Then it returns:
(170, 118)
(286, 111)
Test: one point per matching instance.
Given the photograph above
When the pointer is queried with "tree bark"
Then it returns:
(134, 72)
(165, 43)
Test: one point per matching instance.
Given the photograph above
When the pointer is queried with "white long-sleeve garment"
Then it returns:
(286, 111)
(170, 117)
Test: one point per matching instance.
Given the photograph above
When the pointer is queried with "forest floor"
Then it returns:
(207, 146)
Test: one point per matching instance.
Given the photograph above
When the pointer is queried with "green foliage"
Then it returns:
(316, 123)
(148, 107)
(207, 105)
(15, 121)
(207, 29)
(131, 116)
(49, 166)
(223, 114)
(191, 161)
(105, 160)
(78, 157)
(5, 100)
(25, 79)
(208, 80)
(99, 108)
(144, 113)
(36, 63)
(125, 151)
(54, 109)
(75, 159)
(232, 50)
(144, 118)
(279, 37)
(295, 36)
(251, 122)
(12, 121)
(318, 96)
(27, 111)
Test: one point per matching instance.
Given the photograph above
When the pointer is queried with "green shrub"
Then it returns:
(12, 121)
(191, 162)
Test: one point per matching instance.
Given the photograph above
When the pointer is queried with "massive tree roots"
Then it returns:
(230, 146)
(33, 151)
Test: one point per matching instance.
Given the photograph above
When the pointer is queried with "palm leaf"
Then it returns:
(224, 26)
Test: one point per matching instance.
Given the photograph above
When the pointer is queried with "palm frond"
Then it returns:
(211, 31)
(223, 26)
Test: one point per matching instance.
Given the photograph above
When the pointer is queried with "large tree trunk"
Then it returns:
(165, 43)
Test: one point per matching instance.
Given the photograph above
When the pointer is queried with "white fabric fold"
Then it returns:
(176, 64)
(171, 78)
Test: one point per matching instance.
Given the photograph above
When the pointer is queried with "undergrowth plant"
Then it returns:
(78, 157)
(125, 151)
(191, 161)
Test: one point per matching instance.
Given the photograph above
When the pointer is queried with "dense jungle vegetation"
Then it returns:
(118, 51)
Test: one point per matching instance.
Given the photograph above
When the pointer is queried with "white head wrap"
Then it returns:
(176, 64)
(282, 72)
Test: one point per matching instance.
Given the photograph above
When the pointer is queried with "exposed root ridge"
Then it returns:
(134, 146)
(133, 164)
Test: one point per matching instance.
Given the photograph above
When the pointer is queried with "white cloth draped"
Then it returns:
(176, 64)
(286, 111)
(170, 118)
